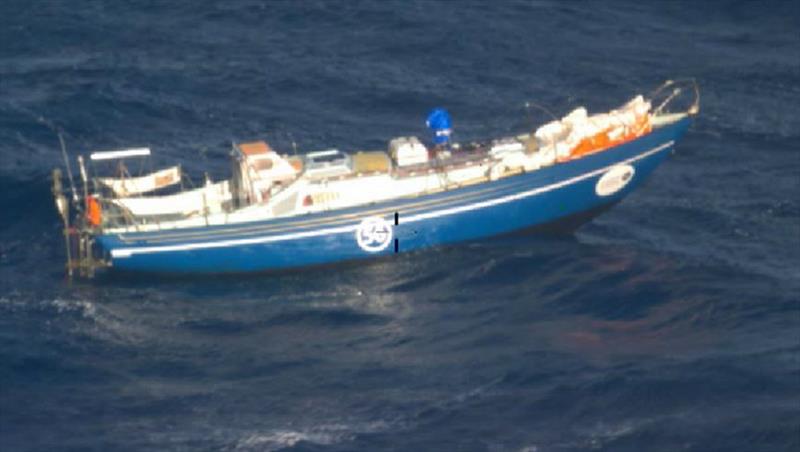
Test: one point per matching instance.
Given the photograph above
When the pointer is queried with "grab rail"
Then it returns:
(678, 88)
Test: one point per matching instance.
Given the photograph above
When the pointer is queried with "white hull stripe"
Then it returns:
(127, 252)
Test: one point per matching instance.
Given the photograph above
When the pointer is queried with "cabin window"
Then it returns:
(327, 158)
(262, 165)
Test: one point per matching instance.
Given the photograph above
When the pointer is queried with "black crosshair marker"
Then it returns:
(396, 240)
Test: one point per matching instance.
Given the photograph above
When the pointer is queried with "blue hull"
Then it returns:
(557, 193)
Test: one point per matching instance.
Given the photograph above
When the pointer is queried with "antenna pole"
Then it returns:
(63, 209)
(69, 169)
(84, 178)
(294, 143)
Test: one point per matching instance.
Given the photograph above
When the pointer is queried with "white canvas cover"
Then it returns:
(138, 185)
(408, 151)
(206, 199)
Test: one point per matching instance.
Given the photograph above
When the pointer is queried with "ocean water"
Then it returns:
(670, 323)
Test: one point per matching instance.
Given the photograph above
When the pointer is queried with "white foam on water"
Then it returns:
(324, 435)
(85, 308)
(95, 320)
(281, 439)
(601, 434)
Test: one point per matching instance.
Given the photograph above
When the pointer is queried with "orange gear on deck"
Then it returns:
(602, 140)
(94, 212)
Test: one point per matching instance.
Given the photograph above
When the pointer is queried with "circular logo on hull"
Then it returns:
(374, 234)
(614, 180)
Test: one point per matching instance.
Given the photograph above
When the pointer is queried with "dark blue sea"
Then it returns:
(670, 323)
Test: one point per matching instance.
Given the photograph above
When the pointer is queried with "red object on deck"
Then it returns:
(94, 213)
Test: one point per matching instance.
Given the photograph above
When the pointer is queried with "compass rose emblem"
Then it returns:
(374, 234)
